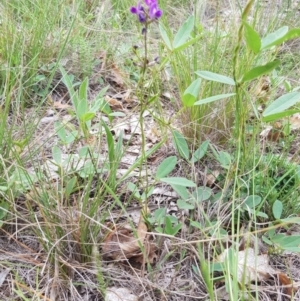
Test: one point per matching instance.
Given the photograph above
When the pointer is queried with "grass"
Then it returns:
(97, 147)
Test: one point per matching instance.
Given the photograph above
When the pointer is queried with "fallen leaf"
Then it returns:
(271, 134)
(113, 103)
(251, 267)
(119, 294)
(295, 121)
(116, 75)
(210, 179)
(123, 243)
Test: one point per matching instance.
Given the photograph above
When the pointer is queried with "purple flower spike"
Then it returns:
(139, 11)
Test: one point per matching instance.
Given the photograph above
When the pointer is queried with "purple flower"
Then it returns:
(154, 11)
(150, 2)
(139, 11)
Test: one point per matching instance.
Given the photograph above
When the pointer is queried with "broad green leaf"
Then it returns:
(191, 93)
(224, 158)
(166, 166)
(181, 145)
(182, 191)
(252, 38)
(291, 220)
(280, 115)
(169, 229)
(87, 116)
(84, 152)
(159, 214)
(185, 205)
(178, 181)
(165, 36)
(57, 155)
(260, 70)
(202, 194)
(212, 99)
(184, 32)
(133, 188)
(188, 43)
(200, 152)
(216, 77)
(252, 201)
(287, 242)
(282, 103)
(277, 209)
(274, 38)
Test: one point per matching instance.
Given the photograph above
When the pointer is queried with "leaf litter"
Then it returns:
(125, 242)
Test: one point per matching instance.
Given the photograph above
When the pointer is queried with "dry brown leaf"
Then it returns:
(251, 267)
(119, 294)
(295, 121)
(262, 88)
(117, 76)
(254, 267)
(271, 134)
(122, 244)
(210, 179)
(113, 103)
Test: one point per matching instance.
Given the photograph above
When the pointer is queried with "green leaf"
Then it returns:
(184, 32)
(200, 152)
(274, 38)
(185, 205)
(57, 154)
(4, 206)
(260, 70)
(191, 93)
(169, 228)
(280, 115)
(277, 209)
(282, 103)
(252, 201)
(188, 43)
(252, 38)
(178, 181)
(67, 80)
(165, 36)
(111, 147)
(159, 214)
(182, 191)
(202, 194)
(70, 186)
(166, 166)
(216, 77)
(181, 145)
(82, 107)
(291, 220)
(212, 99)
(87, 116)
(133, 188)
(290, 242)
(224, 159)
